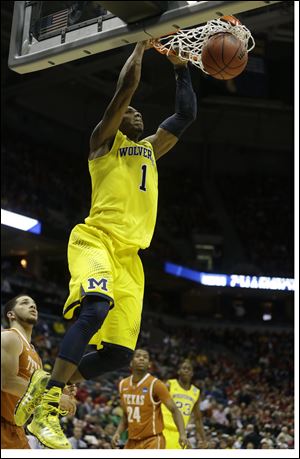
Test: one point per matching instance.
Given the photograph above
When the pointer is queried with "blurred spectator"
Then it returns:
(76, 440)
(284, 437)
(245, 377)
(250, 436)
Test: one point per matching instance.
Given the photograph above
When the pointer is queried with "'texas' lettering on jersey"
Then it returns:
(137, 151)
(32, 365)
(131, 399)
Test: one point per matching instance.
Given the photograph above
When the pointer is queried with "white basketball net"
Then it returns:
(188, 43)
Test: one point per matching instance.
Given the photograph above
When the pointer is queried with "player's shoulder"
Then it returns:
(9, 337)
(174, 384)
(124, 382)
(9, 333)
(146, 142)
(159, 391)
(152, 380)
(105, 150)
(156, 382)
(195, 390)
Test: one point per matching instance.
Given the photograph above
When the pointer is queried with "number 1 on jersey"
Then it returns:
(144, 172)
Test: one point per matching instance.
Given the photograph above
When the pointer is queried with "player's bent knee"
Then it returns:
(93, 313)
(119, 355)
(112, 357)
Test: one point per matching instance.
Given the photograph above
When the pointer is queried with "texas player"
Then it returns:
(141, 396)
(20, 364)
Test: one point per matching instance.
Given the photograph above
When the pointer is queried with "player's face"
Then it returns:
(185, 371)
(25, 310)
(132, 123)
(140, 361)
(77, 432)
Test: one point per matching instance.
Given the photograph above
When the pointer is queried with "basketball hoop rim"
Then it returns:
(191, 41)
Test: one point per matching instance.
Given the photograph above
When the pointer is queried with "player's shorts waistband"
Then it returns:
(116, 240)
(146, 438)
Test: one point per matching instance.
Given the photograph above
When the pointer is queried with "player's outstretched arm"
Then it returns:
(173, 127)
(105, 131)
(11, 348)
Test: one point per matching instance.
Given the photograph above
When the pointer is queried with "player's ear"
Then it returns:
(10, 315)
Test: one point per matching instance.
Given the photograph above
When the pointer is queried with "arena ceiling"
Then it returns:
(66, 102)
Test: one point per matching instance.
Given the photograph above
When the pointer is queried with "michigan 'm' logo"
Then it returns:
(93, 283)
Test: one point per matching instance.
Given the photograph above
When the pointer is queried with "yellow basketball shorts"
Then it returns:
(172, 439)
(101, 265)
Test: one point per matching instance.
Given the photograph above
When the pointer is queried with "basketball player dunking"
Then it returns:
(141, 398)
(187, 399)
(19, 363)
(107, 279)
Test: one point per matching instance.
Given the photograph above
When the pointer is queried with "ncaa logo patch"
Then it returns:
(93, 283)
(145, 390)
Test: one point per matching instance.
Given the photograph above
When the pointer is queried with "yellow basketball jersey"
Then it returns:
(124, 192)
(185, 401)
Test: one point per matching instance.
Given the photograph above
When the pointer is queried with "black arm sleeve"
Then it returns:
(185, 105)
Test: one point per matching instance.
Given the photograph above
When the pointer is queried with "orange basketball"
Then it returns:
(224, 56)
(232, 19)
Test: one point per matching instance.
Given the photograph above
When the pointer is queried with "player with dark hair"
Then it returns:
(19, 364)
(187, 399)
(107, 279)
(142, 396)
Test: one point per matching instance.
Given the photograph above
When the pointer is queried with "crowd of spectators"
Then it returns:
(261, 208)
(183, 212)
(31, 186)
(246, 382)
(45, 289)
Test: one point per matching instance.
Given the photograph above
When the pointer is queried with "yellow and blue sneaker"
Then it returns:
(32, 396)
(45, 425)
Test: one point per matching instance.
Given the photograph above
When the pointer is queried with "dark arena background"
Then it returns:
(220, 271)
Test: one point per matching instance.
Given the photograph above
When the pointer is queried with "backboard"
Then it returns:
(67, 31)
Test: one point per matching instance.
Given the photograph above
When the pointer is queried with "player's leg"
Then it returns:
(123, 324)
(44, 425)
(119, 333)
(91, 317)
(13, 437)
(90, 295)
(111, 357)
(90, 267)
